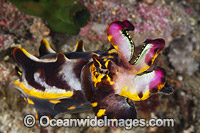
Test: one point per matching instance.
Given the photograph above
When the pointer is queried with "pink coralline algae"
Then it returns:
(5, 41)
(153, 18)
(2, 39)
(13, 21)
(102, 13)
(149, 20)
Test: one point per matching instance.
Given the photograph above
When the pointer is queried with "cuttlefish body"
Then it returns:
(77, 81)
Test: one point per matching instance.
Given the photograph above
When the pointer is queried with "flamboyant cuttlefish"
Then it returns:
(77, 81)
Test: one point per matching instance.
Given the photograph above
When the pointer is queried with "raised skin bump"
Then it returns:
(45, 48)
(79, 46)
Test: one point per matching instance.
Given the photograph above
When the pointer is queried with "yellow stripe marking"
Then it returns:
(47, 45)
(54, 101)
(71, 107)
(112, 51)
(146, 67)
(99, 77)
(25, 99)
(42, 95)
(116, 47)
(19, 73)
(109, 56)
(109, 80)
(134, 96)
(94, 104)
(30, 101)
(106, 64)
(110, 37)
(143, 69)
(101, 112)
(98, 63)
(94, 78)
(105, 59)
(36, 115)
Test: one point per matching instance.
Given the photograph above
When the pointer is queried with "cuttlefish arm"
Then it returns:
(151, 50)
(118, 36)
(140, 87)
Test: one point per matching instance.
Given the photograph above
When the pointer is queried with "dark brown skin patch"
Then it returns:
(86, 83)
(43, 50)
(49, 71)
(79, 47)
(155, 50)
(116, 107)
(154, 90)
(78, 67)
(163, 80)
(140, 95)
(149, 63)
(30, 78)
(17, 71)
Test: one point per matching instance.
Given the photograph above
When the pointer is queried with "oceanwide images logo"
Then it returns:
(44, 121)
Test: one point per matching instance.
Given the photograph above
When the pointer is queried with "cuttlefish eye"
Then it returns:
(103, 71)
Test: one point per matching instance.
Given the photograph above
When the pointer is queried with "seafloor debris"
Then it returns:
(183, 54)
(13, 21)
(5, 41)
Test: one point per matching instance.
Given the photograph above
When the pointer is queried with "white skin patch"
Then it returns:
(141, 83)
(127, 53)
(69, 77)
(142, 56)
(48, 89)
(134, 83)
